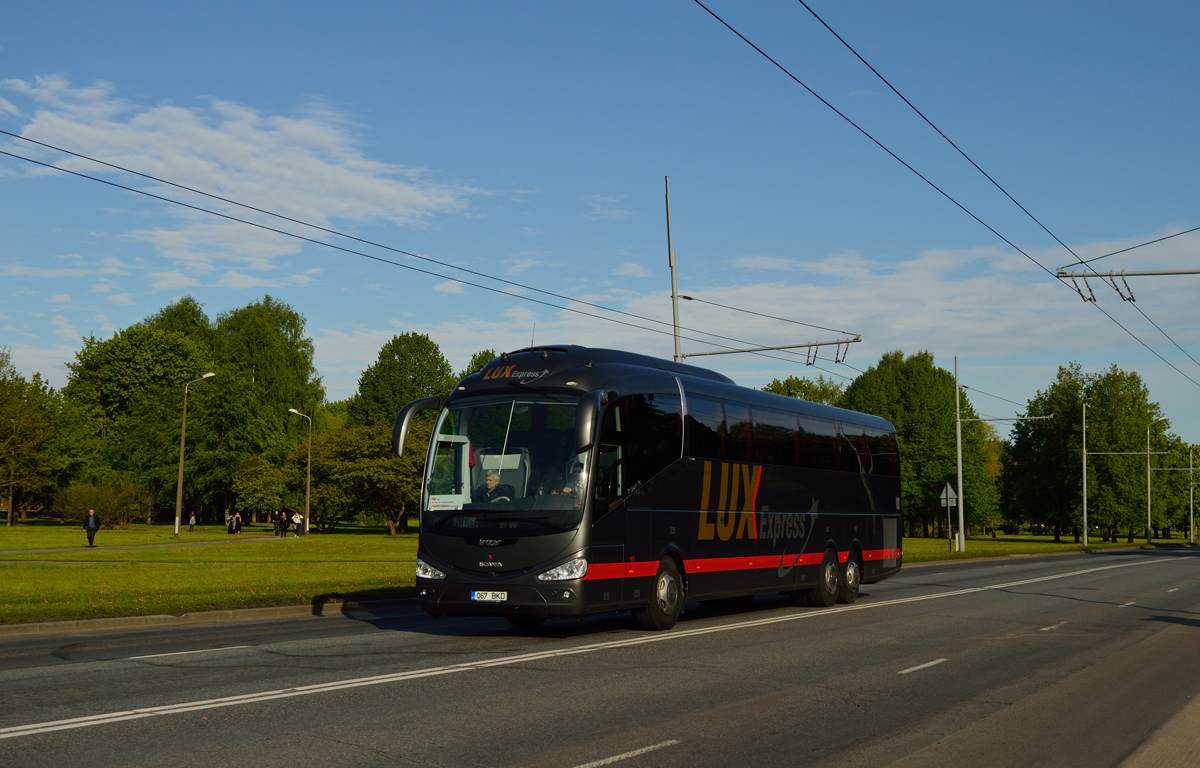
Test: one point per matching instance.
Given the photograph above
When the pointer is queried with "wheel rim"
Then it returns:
(667, 593)
(830, 576)
(853, 575)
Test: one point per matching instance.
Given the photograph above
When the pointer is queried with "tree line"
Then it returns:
(1034, 478)
(109, 439)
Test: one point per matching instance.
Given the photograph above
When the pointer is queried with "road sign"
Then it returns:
(949, 497)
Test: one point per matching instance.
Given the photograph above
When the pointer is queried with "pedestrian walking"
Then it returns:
(91, 524)
(275, 520)
(237, 522)
(297, 520)
(283, 524)
(192, 523)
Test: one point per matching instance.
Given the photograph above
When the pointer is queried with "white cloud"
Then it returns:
(450, 286)
(64, 327)
(604, 207)
(60, 298)
(630, 269)
(764, 262)
(238, 280)
(123, 299)
(306, 165)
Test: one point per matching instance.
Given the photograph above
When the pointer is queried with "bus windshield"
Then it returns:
(506, 463)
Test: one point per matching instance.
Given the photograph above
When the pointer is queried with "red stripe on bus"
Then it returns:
(647, 568)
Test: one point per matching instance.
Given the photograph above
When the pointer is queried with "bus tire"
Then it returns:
(825, 594)
(666, 599)
(525, 622)
(851, 579)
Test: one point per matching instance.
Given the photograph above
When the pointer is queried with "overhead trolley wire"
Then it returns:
(382, 260)
(987, 176)
(942, 192)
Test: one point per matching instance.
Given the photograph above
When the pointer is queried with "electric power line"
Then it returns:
(382, 260)
(942, 192)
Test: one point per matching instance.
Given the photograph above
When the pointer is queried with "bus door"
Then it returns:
(609, 518)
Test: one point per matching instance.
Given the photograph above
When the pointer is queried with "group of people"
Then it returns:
(282, 522)
(233, 524)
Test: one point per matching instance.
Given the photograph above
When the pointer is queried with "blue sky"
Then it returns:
(530, 141)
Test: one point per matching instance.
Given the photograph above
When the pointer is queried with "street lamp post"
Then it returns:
(1148, 521)
(182, 437)
(308, 473)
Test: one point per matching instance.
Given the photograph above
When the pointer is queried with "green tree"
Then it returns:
(822, 390)
(29, 428)
(409, 366)
(918, 399)
(107, 376)
(478, 361)
(258, 485)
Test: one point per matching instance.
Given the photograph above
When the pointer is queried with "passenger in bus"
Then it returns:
(493, 490)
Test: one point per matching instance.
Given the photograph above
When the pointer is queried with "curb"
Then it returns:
(331, 608)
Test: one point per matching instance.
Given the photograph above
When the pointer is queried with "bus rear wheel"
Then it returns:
(666, 599)
(851, 579)
(825, 594)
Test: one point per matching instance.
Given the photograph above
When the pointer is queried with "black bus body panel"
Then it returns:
(735, 523)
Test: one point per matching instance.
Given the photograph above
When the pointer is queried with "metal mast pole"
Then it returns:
(1085, 524)
(674, 288)
(962, 534)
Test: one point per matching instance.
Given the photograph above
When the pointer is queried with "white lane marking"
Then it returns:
(1053, 627)
(926, 665)
(1125, 606)
(306, 690)
(184, 653)
(627, 755)
(1169, 591)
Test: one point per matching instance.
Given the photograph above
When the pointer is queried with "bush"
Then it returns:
(116, 498)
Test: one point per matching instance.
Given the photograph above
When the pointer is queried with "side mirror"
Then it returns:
(405, 417)
(587, 418)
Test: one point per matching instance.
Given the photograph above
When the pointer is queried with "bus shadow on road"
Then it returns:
(385, 610)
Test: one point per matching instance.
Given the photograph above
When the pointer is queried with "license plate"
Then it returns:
(486, 596)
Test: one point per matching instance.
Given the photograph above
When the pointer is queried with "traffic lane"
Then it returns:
(833, 672)
(243, 664)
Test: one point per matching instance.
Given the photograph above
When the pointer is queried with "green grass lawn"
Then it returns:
(219, 571)
(921, 550)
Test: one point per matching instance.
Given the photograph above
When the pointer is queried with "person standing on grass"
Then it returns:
(192, 523)
(91, 524)
(237, 522)
(283, 524)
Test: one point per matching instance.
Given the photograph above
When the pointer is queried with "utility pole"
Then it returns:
(674, 287)
(962, 535)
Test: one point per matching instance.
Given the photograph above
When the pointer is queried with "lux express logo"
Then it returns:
(735, 497)
(511, 372)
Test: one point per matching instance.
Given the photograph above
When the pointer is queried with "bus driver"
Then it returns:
(492, 490)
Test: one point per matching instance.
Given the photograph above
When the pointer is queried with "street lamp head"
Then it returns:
(293, 410)
(208, 375)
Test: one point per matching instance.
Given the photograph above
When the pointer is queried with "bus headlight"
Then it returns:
(572, 569)
(427, 571)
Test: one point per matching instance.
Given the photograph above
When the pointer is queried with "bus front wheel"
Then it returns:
(825, 594)
(666, 599)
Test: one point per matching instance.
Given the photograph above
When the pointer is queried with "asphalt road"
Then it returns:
(1079, 660)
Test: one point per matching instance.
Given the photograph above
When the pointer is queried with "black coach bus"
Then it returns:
(564, 481)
